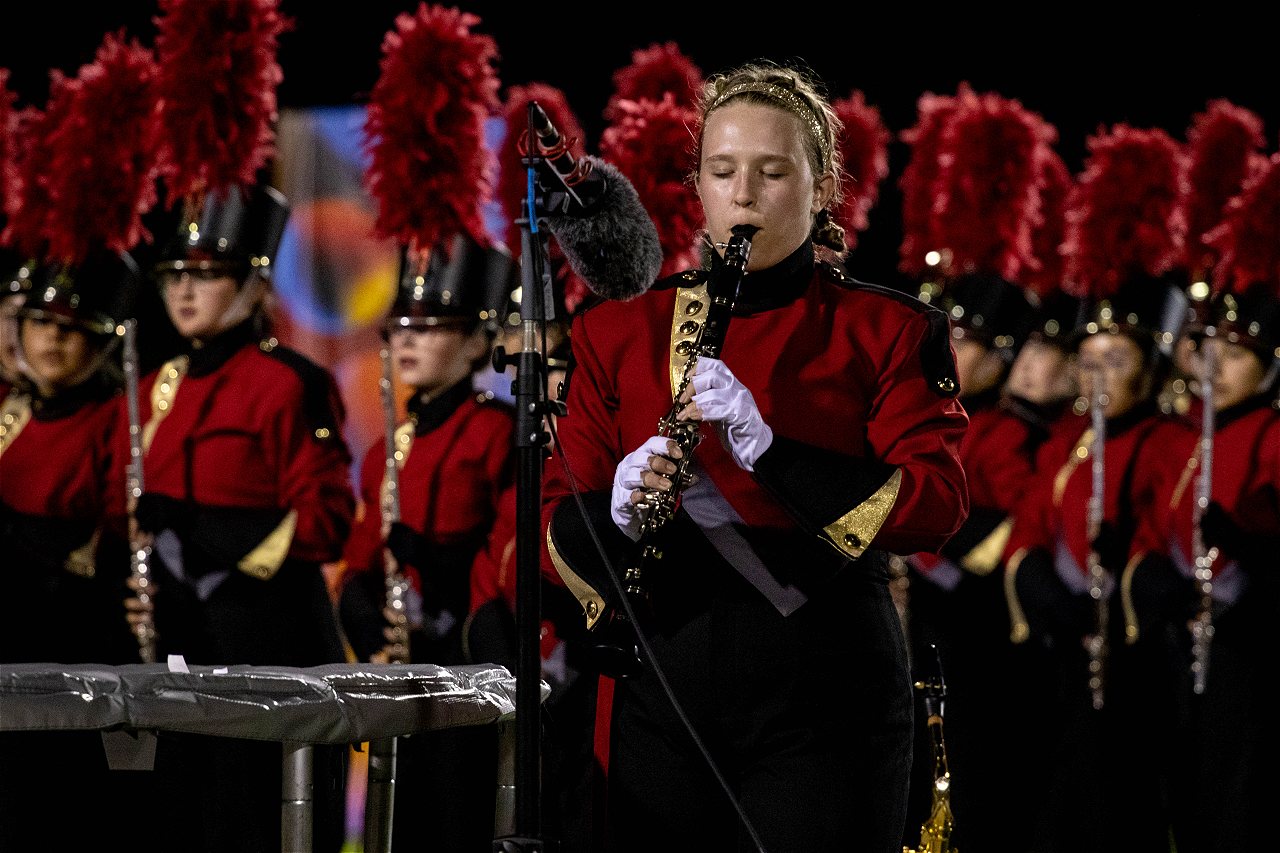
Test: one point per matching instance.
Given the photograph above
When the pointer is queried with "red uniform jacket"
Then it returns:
(1053, 517)
(856, 381)
(459, 464)
(1245, 465)
(253, 428)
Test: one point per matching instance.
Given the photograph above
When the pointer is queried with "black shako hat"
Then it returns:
(459, 283)
(94, 294)
(988, 309)
(235, 231)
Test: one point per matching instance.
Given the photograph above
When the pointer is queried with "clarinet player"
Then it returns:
(831, 437)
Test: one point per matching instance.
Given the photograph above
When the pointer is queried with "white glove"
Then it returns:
(626, 479)
(726, 403)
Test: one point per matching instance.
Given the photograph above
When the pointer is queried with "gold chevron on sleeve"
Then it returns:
(266, 559)
(852, 532)
(591, 600)
(983, 558)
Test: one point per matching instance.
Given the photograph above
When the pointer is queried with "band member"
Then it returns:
(247, 496)
(1210, 645)
(456, 459)
(988, 194)
(63, 449)
(828, 442)
(1070, 533)
(13, 291)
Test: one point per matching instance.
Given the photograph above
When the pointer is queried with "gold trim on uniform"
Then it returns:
(83, 561)
(1078, 454)
(266, 559)
(592, 602)
(1019, 630)
(15, 412)
(686, 323)
(852, 532)
(983, 558)
(1126, 600)
(163, 392)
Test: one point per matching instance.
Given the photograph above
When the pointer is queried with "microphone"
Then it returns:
(606, 234)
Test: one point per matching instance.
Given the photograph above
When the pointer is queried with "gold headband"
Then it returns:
(789, 100)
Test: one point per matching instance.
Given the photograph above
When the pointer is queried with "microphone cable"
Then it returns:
(648, 651)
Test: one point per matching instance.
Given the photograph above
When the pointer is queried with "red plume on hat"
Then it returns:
(1225, 143)
(217, 83)
(652, 145)
(1249, 236)
(513, 186)
(655, 71)
(429, 170)
(1125, 215)
(1046, 275)
(102, 147)
(917, 180)
(8, 144)
(987, 188)
(864, 150)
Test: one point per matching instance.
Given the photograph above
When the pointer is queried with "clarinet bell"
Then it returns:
(617, 654)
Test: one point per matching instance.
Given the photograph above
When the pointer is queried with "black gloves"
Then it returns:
(1163, 599)
(1222, 532)
(1055, 615)
(406, 544)
(1111, 548)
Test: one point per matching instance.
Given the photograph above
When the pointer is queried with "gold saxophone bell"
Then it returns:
(935, 832)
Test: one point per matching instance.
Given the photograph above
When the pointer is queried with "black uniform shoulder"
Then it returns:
(936, 356)
(322, 404)
(687, 278)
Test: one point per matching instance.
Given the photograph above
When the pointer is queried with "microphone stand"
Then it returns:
(536, 306)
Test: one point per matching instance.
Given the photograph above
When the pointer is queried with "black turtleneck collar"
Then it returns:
(60, 404)
(428, 412)
(981, 401)
(208, 356)
(779, 285)
(1140, 412)
(1039, 415)
(1241, 409)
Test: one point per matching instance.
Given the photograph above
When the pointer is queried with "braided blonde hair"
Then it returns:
(800, 93)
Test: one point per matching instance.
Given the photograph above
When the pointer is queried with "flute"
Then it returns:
(139, 549)
(1202, 627)
(397, 584)
(1097, 642)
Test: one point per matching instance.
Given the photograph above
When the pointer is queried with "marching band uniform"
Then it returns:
(63, 451)
(247, 495)
(456, 457)
(1218, 747)
(858, 384)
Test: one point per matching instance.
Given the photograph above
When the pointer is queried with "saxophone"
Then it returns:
(935, 832)
(397, 585)
(618, 654)
(144, 628)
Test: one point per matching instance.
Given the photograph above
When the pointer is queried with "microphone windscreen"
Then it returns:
(614, 248)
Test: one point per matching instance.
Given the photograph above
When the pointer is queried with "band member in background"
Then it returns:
(829, 441)
(63, 449)
(247, 496)
(1218, 749)
(455, 455)
(14, 285)
(1068, 544)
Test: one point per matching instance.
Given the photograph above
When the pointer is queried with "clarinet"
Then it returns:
(397, 585)
(1202, 627)
(144, 628)
(1097, 642)
(618, 654)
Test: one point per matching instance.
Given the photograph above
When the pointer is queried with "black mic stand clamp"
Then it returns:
(537, 305)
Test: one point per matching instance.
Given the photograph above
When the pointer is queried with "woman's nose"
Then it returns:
(744, 191)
